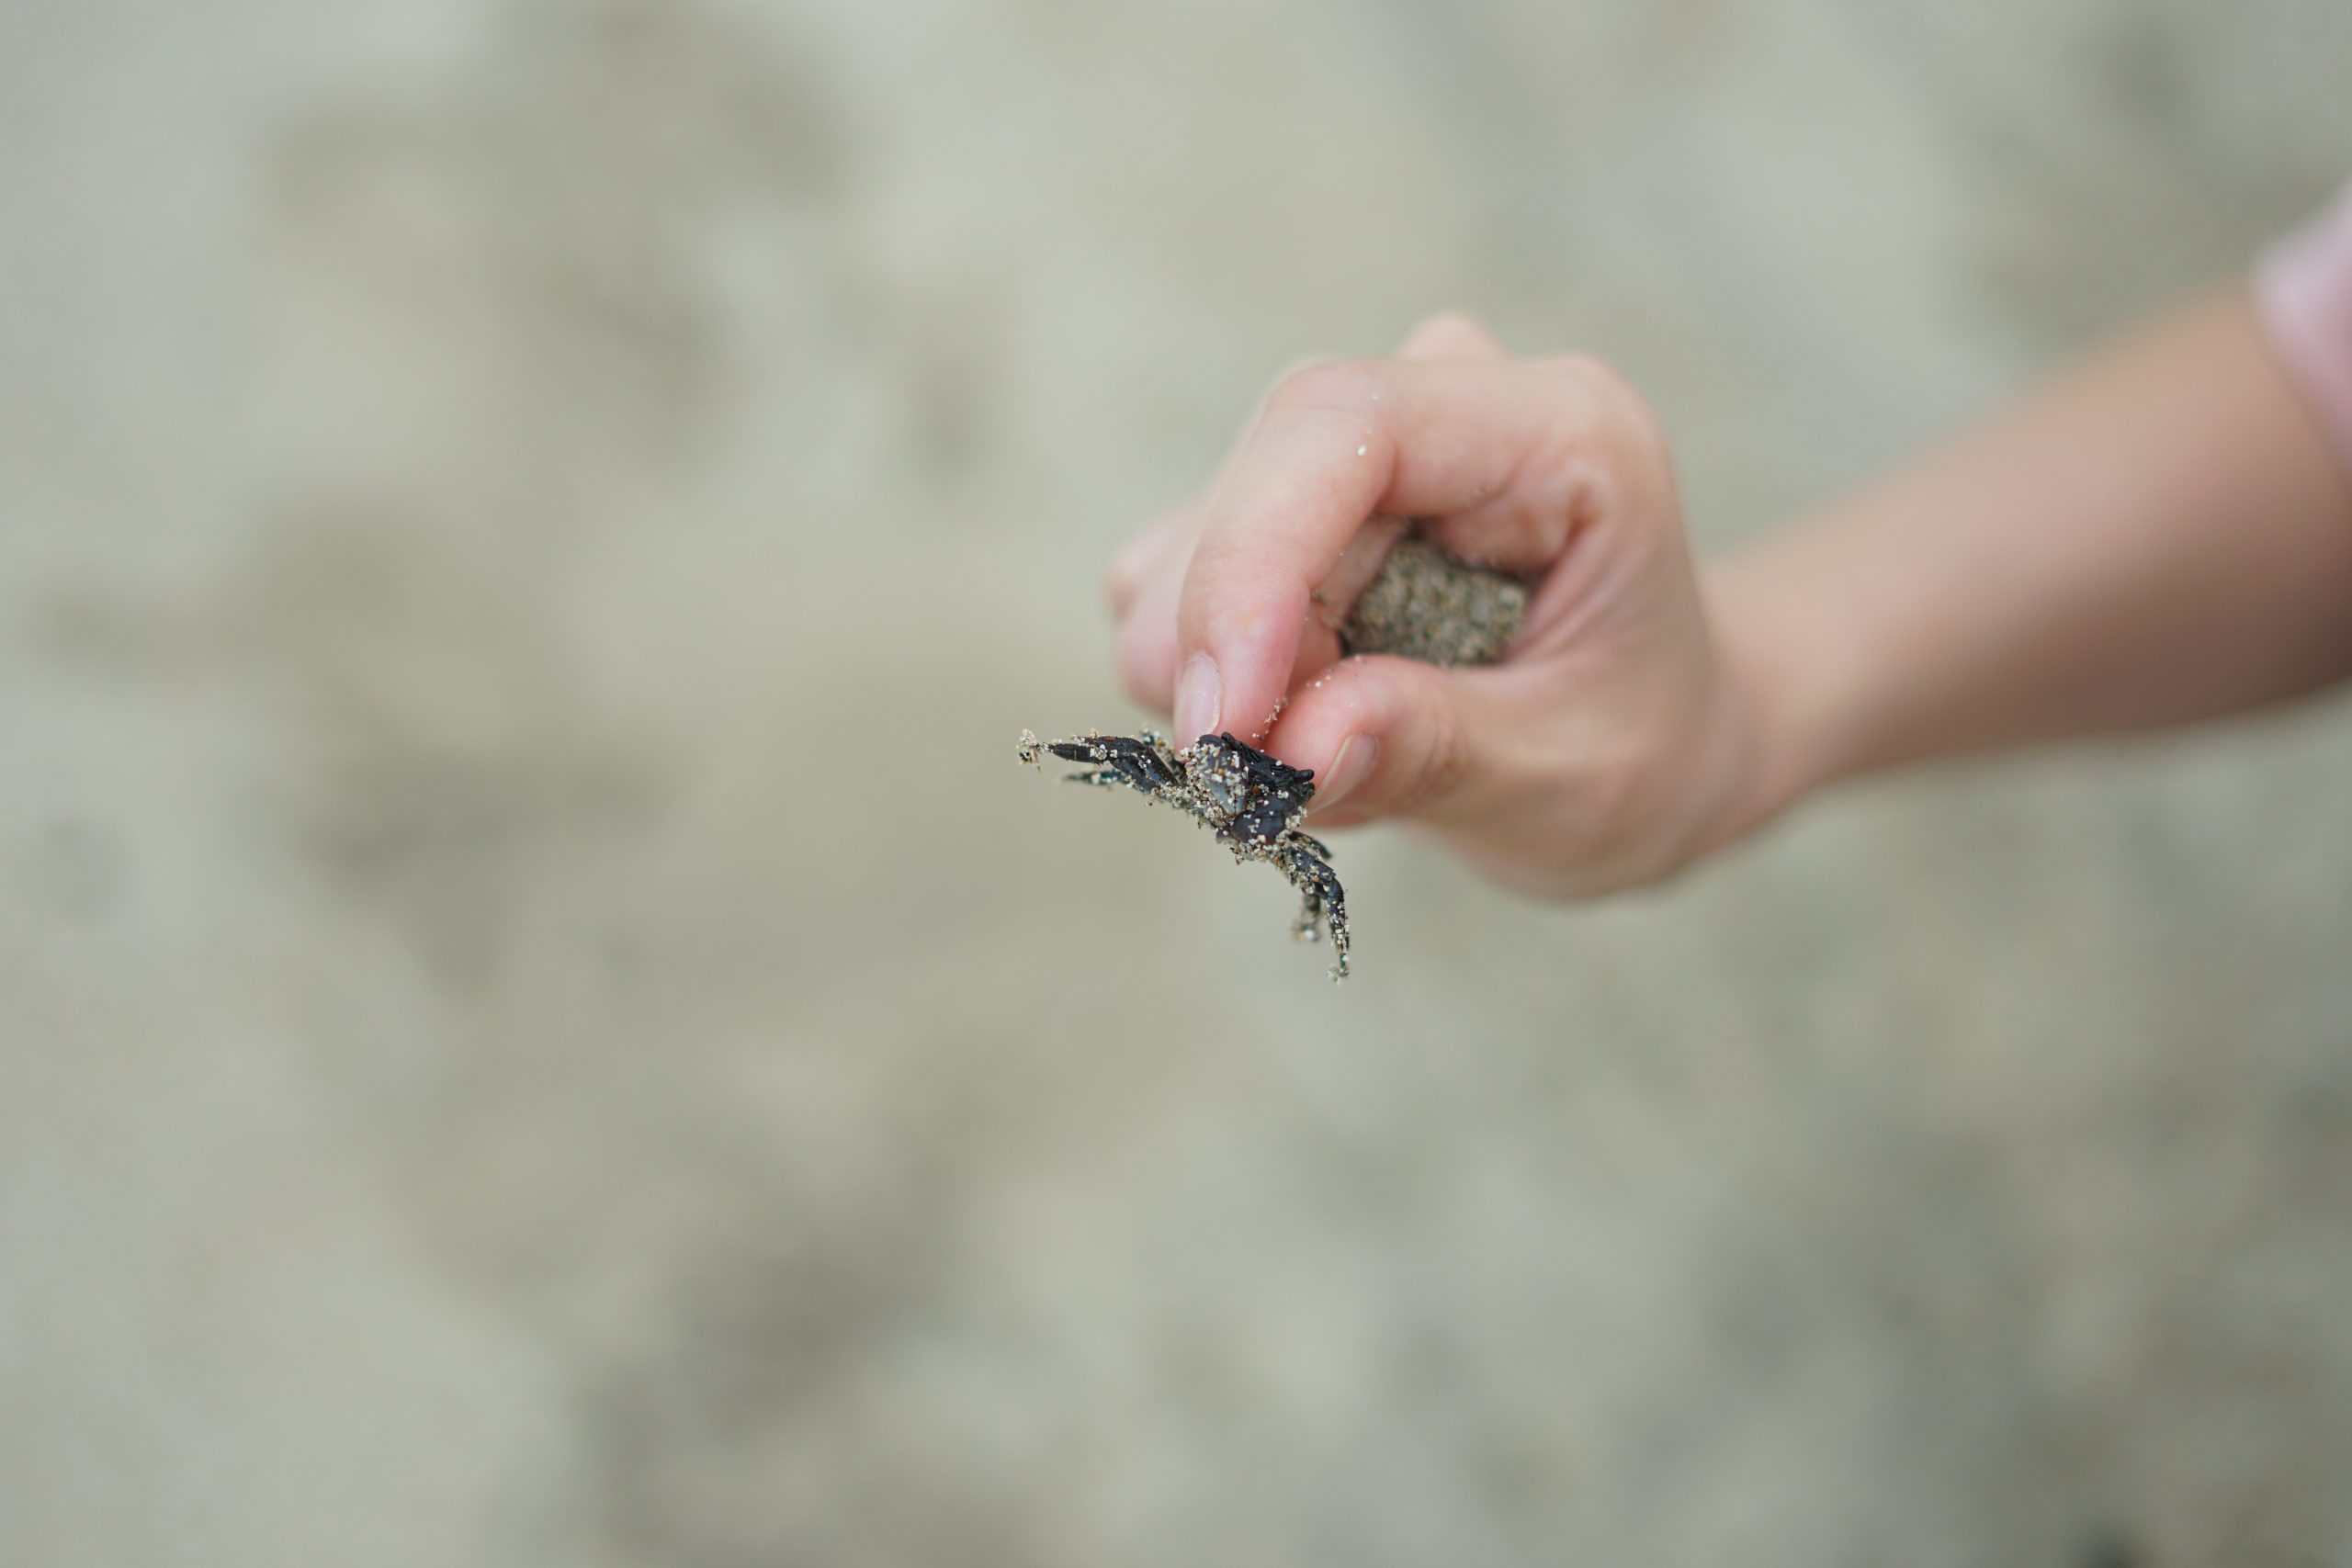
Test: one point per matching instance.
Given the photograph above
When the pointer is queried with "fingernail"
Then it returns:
(1198, 696)
(1358, 755)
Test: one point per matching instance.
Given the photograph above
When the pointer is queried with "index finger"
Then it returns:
(1530, 448)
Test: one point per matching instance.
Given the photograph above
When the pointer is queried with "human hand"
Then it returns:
(1611, 745)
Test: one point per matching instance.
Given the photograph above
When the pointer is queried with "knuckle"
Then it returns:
(1600, 374)
(1452, 327)
(1611, 386)
(1132, 569)
(1130, 565)
(1642, 424)
(1147, 665)
(1443, 762)
(1588, 376)
(1617, 408)
(1349, 387)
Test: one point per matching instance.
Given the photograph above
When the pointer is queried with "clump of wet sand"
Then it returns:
(1427, 605)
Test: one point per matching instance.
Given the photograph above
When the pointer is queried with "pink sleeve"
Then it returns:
(2303, 288)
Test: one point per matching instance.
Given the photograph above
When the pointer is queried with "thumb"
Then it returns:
(1386, 737)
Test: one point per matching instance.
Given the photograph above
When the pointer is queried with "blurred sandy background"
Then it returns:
(539, 1021)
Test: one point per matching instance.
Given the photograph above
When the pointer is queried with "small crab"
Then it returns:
(1252, 803)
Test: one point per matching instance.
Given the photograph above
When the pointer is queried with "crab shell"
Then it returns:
(1246, 794)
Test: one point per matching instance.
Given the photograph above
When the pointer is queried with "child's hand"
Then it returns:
(1608, 749)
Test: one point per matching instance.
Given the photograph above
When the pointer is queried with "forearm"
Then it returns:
(2162, 534)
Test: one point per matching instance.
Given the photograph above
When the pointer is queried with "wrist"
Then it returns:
(1776, 688)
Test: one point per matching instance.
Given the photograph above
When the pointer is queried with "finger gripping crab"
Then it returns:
(1252, 803)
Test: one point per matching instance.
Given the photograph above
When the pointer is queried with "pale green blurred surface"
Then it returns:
(539, 1021)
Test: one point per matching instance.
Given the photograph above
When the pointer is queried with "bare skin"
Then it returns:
(2161, 533)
